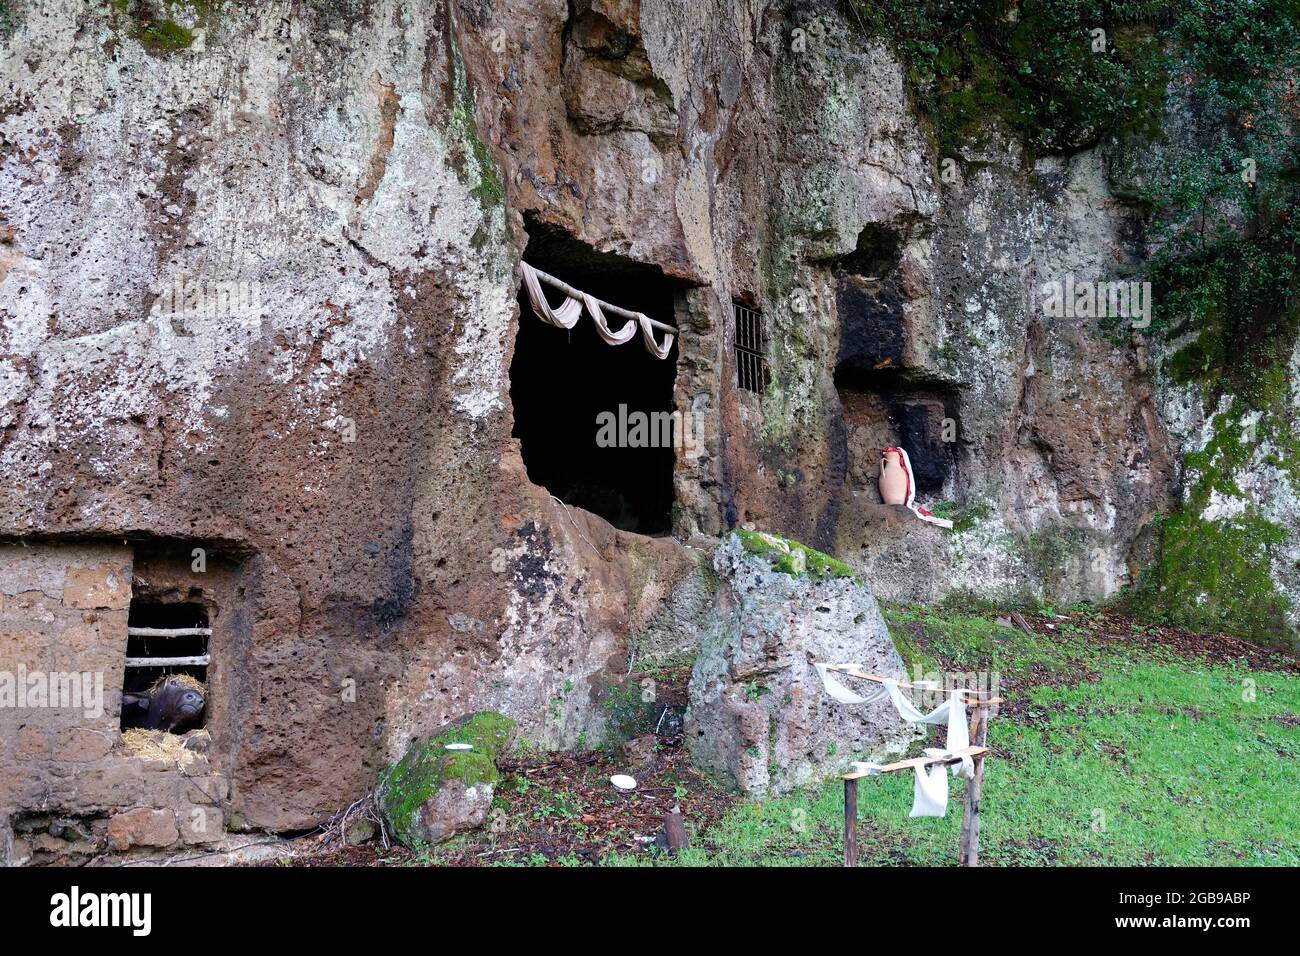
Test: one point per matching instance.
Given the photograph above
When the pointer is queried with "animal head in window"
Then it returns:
(172, 704)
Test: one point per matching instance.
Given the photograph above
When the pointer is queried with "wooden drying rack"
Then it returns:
(968, 850)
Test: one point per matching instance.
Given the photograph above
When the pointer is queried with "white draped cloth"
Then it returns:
(930, 793)
(567, 315)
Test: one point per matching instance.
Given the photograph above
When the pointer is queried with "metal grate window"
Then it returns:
(751, 349)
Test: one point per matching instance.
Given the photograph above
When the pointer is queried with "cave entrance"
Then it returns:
(164, 639)
(568, 386)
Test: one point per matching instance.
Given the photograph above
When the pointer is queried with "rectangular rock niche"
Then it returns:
(883, 409)
(563, 381)
(178, 592)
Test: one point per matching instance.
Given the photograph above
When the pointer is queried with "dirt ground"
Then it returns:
(561, 808)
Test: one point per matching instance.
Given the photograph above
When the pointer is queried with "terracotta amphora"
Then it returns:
(893, 477)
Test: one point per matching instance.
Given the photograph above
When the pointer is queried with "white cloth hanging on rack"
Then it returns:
(951, 712)
(930, 794)
(648, 337)
(565, 317)
(837, 690)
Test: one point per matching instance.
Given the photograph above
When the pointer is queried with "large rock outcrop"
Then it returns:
(759, 718)
(258, 292)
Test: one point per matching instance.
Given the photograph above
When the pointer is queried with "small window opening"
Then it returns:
(163, 687)
(564, 383)
(751, 349)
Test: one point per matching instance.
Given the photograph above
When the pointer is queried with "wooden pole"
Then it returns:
(969, 853)
(850, 823)
(604, 306)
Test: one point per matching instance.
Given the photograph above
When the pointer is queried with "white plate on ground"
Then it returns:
(460, 746)
(623, 781)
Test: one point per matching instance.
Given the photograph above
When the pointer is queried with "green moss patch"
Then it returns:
(475, 161)
(792, 558)
(408, 785)
(164, 37)
(1216, 576)
(157, 24)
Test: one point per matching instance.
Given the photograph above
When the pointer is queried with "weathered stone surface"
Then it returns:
(434, 792)
(359, 831)
(759, 717)
(200, 824)
(340, 431)
(143, 827)
(105, 586)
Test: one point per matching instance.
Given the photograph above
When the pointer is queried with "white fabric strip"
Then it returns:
(602, 327)
(910, 503)
(653, 347)
(565, 317)
(907, 710)
(837, 690)
(930, 794)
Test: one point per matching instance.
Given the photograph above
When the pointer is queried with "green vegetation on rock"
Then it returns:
(410, 783)
(476, 161)
(157, 25)
(792, 558)
(1214, 575)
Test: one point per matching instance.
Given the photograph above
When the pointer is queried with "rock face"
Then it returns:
(259, 301)
(759, 717)
(444, 785)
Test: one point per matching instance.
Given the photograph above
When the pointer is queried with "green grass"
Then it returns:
(1116, 753)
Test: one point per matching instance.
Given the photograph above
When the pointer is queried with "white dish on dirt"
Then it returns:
(460, 746)
(623, 781)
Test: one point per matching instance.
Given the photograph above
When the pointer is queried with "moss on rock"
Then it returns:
(160, 28)
(1215, 569)
(406, 787)
(1215, 575)
(793, 558)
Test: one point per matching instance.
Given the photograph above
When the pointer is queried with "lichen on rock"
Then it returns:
(432, 793)
(759, 718)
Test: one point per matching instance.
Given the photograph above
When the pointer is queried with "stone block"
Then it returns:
(143, 827)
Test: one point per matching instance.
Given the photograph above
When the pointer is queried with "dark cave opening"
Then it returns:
(566, 384)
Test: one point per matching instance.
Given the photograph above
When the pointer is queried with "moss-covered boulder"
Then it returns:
(440, 788)
(790, 557)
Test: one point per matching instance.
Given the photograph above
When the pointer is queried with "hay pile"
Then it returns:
(157, 745)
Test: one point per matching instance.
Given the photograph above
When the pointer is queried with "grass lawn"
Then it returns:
(1119, 745)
